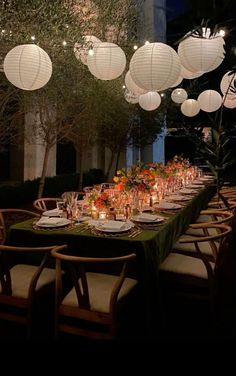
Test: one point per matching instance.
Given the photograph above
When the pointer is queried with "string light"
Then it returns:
(123, 87)
(222, 32)
(147, 42)
(32, 37)
(64, 43)
(91, 52)
(135, 47)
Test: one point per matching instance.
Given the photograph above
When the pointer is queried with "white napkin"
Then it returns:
(147, 217)
(52, 213)
(113, 225)
(50, 221)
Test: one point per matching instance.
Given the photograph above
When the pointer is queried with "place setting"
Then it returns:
(147, 221)
(53, 223)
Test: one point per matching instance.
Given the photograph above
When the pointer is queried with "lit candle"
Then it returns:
(94, 212)
(102, 215)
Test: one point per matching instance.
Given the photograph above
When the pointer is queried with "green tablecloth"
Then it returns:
(150, 246)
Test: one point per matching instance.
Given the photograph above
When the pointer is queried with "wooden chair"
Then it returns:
(195, 274)
(9, 217)
(46, 203)
(22, 284)
(90, 307)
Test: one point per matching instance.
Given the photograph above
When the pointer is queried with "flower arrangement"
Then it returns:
(135, 177)
(100, 200)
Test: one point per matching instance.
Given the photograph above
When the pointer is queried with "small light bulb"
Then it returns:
(64, 43)
(147, 42)
(123, 87)
(3, 31)
(222, 33)
(32, 37)
(162, 94)
(91, 52)
(135, 47)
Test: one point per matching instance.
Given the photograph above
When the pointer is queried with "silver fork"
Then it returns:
(135, 233)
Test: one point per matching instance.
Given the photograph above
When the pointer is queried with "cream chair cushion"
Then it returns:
(21, 276)
(100, 287)
(185, 265)
(205, 247)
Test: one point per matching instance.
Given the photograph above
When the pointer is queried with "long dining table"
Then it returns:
(150, 245)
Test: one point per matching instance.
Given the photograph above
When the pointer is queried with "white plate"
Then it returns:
(52, 213)
(60, 223)
(168, 205)
(127, 226)
(146, 220)
(188, 191)
(178, 198)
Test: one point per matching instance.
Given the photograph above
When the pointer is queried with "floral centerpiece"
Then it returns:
(138, 177)
(99, 200)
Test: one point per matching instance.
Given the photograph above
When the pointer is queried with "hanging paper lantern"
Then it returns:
(190, 107)
(209, 100)
(108, 61)
(202, 53)
(178, 81)
(228, 83)
(28, 67)
(81, 50)
(179, 95)
(150, 101)
(131, 97)
(131, 85)
(155, 66)
(229, 102)
(185, 73)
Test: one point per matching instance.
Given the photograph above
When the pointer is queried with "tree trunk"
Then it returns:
(44, 170)
(109, 165)
(117, 160)
(80, 170)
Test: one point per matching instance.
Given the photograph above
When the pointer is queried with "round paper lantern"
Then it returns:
(131, 97)
(150, 101)
(28, 67)
(108, 61)
(81, 50)
(190, 107)
(131, 85)
(228, 83)
(179, 95)
(155, 66)
(229, 102)
(198, 53)
(209, 100)
(178, 81)
(185, 73)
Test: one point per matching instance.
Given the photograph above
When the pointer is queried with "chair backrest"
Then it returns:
(213, 216)
(223, 232)
(9, 217)
(20, 282)
(46, 203)
(82, 306)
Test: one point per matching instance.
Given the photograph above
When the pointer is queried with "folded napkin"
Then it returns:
(113, 225)
(50, 221)
(147, 217)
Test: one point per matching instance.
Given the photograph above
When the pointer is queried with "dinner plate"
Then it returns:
(168, 205)
(179, 198)
(126, 227)
(60, 223)
(139, 219)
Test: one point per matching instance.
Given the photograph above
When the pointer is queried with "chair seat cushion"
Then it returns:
(199, 231)
(205, 247)
(185, 265)
(21, 276)
(100, 287)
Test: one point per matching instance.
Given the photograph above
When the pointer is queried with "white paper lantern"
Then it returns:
(81, 50)
(131, 85)
(229, 102)
(178, 81)
(150, 101)
(228, 83)
(185, 73)
(131, 97)
(209, 100)
(108, 61)
(190, 107)
(155, 66)
(201, 53)
(28, 67)
(179, 95)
